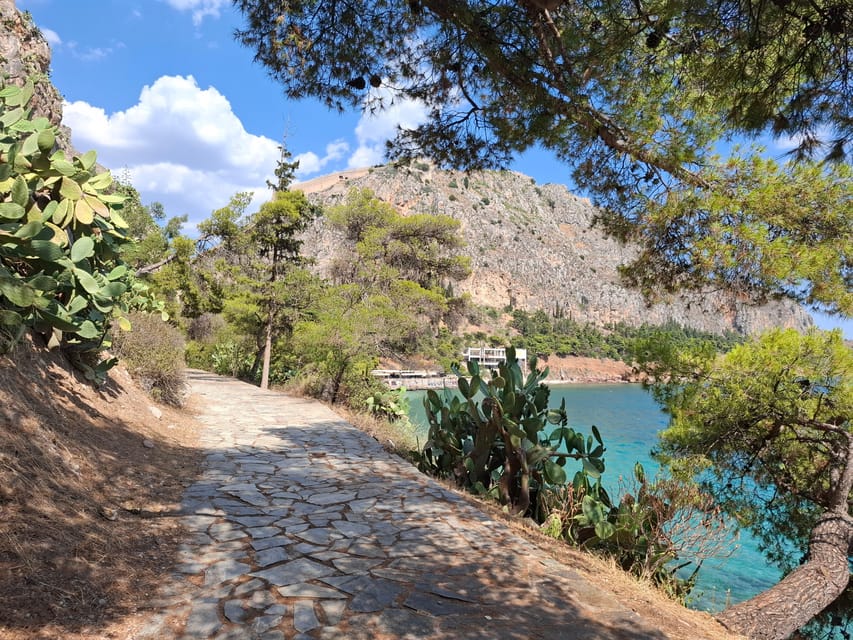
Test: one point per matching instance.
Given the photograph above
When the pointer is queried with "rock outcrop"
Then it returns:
(534, 247)
(25, 55)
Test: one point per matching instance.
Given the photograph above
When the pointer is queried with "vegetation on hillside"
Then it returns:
(545, 334)
(241, 290)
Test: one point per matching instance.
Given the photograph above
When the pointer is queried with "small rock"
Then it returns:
(234, 611)
(108, 512)
(155, 412)
(148, 444)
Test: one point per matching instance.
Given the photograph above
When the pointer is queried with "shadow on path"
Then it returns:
(304, 527)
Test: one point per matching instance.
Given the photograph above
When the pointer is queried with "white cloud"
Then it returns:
(787, 143)
(182, 145)
(200, 9)
(52, 37)
(374, 129)
(183, 189)
(310, 162)
(92, 53)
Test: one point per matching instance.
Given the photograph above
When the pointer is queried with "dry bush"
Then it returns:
(153, 352)
(205, 327)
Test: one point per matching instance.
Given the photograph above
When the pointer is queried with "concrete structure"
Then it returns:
(491, 357)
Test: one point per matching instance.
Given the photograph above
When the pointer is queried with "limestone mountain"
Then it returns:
(534, 247)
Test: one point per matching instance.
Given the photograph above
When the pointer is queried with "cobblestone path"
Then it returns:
(304, 527)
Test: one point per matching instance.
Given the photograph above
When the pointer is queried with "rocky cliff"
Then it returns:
(25, 55)
(533, 247)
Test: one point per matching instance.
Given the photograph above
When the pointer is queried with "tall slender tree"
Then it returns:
(275, 230)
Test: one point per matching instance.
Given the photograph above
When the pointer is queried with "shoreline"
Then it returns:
(568, 369)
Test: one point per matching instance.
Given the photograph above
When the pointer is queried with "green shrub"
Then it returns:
(391, 404)
(153, 352)
(198, 355)
(232, 358)
(357, 386)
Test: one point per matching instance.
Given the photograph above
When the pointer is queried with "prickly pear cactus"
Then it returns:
(493, 436)
(61, 233)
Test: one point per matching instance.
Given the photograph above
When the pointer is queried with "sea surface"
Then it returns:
(629, 421)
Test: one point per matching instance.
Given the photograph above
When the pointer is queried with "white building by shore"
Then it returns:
(491, 357)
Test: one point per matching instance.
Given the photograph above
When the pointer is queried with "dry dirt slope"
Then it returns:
(87, 482)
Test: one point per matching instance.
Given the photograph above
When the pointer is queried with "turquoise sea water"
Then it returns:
(629, 421)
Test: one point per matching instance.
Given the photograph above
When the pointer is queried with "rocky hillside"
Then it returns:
(24, 54)
(533, 247)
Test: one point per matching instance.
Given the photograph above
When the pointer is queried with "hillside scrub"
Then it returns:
(153, 352)
(547, 334)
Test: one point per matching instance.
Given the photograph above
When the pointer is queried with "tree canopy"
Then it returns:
(636, 96)
(417, 247)
(769, 426)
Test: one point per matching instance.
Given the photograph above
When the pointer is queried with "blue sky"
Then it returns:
(162, 91)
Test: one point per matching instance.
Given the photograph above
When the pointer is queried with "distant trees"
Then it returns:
(275, 232)
(544, 334)
(419, 247)
(253, 306)
(387, 293)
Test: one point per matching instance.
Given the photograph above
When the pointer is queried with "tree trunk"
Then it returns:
(781, 610)
(336, 384)
(265, 371)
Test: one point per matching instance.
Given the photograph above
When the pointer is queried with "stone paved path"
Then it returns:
(303, 527)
